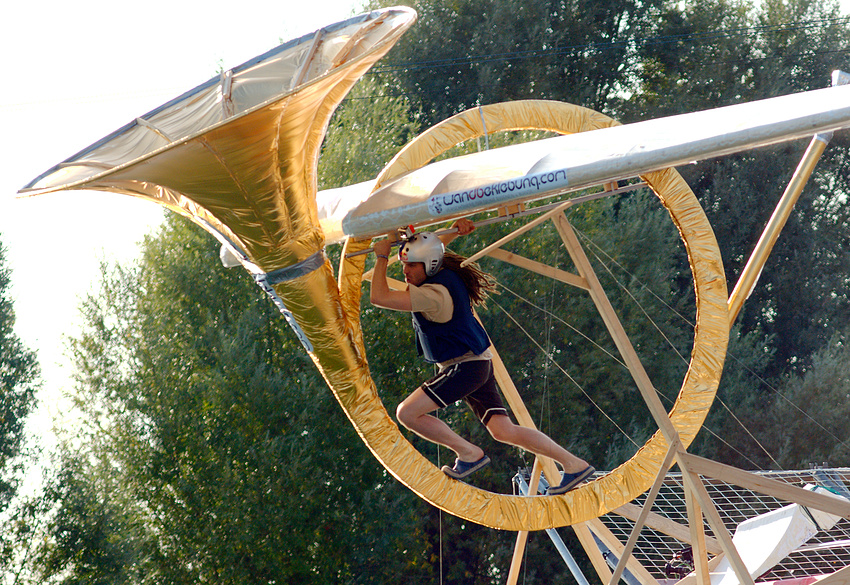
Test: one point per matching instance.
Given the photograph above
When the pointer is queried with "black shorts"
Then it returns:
(472, 381)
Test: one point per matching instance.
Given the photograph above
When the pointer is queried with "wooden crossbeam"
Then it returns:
(765, 485)
(639, 523)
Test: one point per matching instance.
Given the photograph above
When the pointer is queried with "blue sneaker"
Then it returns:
(464, 469)
(570, 481)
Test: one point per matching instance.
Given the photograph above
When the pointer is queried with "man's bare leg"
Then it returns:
(414, 413)
(504, 430)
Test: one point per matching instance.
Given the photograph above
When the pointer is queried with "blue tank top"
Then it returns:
(440, 342)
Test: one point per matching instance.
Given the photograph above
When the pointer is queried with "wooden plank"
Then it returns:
(516, 560)
(698, 549)
(615, 328)
(639, 523)
(666, 526)
(540, 268)
(693, 483)
(765, 485)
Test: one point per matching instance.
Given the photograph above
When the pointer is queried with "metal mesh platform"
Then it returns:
(825, 553)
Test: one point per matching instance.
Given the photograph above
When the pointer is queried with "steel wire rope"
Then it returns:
(544, 403)
(600, 46)
(619, 361)
(563, 371)
(592, 244)
(663, 397)
(565, 323)
(790, 402)
(470, 61)
(517, 55)
(615, 358)
(810, 54)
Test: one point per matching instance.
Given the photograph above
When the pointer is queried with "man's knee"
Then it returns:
(501, 428)
(404, 415)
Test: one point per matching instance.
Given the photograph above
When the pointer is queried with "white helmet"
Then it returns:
(423, 247)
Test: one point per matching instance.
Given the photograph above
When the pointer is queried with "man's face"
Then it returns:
(414, 272)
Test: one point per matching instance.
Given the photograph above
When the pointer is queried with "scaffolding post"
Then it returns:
(554, 536)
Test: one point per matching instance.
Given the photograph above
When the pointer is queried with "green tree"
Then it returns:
(19, 379)
(235, 462)
(713, 53)
(365, 133)
(99, 532)
(19, 373)
(463, 53)
(816, 433)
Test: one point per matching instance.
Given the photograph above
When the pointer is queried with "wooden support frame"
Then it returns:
(764, 485)
(641, 520)
(698, 548)
(698, 500)
(693, 484)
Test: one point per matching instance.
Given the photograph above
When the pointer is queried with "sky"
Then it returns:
(74, 73)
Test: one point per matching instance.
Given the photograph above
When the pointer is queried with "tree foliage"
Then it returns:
(19, 373)
(713, 54)
(19, 379)
(462, 53)
(811, 411)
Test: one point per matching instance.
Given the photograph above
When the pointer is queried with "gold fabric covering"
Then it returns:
(238, 156)
(635, 476)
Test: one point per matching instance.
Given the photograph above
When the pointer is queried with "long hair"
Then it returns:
(478, 283)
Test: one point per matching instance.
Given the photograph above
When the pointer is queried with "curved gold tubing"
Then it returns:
(383, 437)
(251, 178)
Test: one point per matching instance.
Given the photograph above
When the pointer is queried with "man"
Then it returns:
(440, 295)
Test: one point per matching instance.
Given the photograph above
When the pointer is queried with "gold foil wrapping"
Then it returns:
(635, 475)
(251, 177)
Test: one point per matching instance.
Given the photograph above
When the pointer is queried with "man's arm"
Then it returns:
(380, 294)
(464, 226)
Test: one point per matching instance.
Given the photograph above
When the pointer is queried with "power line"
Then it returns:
(618, 45)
